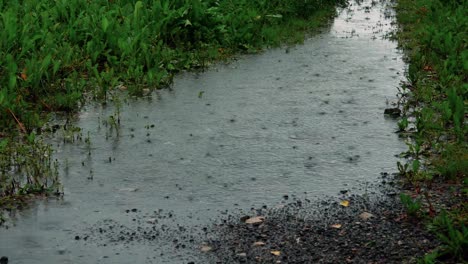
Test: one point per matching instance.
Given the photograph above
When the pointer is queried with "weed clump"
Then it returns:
(26, 169)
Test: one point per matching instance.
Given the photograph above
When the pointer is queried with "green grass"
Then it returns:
(454, 237)
(56, 54)
(434, 36)
(412, 206)
(52, 52)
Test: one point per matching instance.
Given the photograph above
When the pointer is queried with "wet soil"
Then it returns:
(371, 229)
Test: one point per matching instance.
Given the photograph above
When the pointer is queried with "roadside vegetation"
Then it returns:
(55, 55)
(434, 100)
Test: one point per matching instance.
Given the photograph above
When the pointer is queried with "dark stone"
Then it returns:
(77, 237)
(394, 112)
(3, 260)
(244, 218)
(54, 129)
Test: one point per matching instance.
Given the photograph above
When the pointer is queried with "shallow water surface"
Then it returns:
(306, 121)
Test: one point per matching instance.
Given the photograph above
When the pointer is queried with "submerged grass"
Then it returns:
(55, 54)
(26, 170)
(434, 36)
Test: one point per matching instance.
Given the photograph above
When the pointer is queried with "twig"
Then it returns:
(23, 129)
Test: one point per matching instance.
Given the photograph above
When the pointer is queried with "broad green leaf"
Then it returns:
(31, 137)
(46, 62)
(3, 144)
(2, 96)
(104, 24)
(136, 12)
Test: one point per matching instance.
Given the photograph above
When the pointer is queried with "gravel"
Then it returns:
(366, 231)
(347, 228)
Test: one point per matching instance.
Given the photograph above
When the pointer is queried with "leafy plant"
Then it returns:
(454, 238)
(26, 167)
(429, 258)
(412, 207)
(453, 162)
(402, 169)
(403, 124)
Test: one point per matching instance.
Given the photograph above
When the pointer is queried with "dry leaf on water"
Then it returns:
(344, 203)
(255, 220)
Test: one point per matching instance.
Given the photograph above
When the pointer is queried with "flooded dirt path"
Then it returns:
(305, 121)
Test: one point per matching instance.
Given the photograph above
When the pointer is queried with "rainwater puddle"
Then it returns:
(307, 122)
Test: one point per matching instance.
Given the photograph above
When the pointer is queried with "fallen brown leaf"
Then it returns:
(337, 226)
(365, 216)
(255, 220)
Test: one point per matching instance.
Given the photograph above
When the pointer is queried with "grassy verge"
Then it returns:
(55, 54)
(434, 36)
